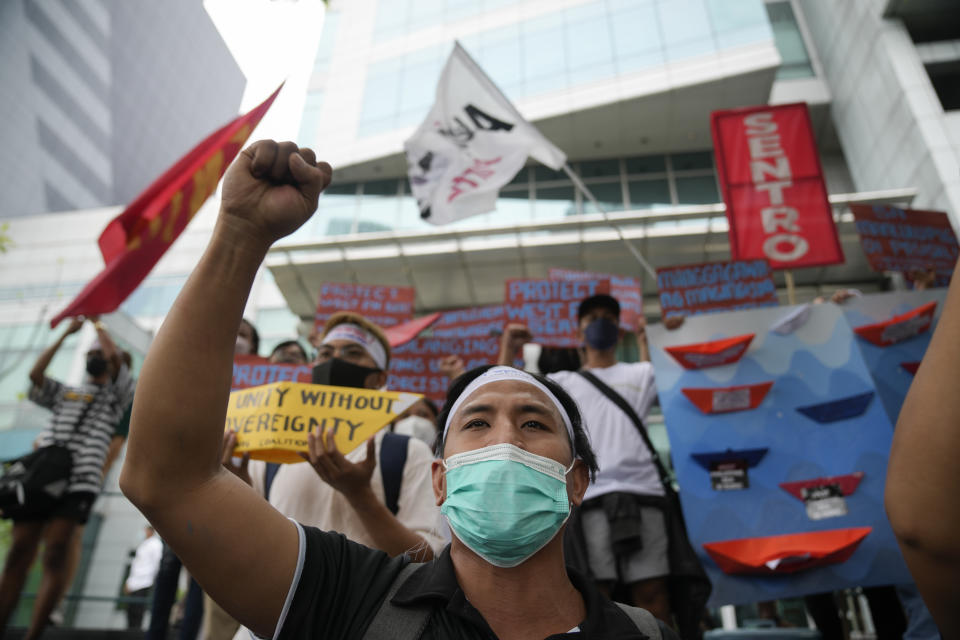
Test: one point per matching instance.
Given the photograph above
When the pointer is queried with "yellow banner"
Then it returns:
(272, 421)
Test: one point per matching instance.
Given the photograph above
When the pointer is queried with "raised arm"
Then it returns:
(107, 345)
(923, 480)
(40, 366)
(241, 550)
(515, 335)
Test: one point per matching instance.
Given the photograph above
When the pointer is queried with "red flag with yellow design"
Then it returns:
(135, 240)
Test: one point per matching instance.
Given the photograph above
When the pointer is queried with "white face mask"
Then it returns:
(417, 427)
(242, 347)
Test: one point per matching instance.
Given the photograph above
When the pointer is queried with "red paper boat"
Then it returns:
(711, 354)
(899, 328)
(848, 484)
(911, 367)
(794, 552)
(726, 399)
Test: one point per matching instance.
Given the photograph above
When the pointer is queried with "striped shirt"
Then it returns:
(100, 407)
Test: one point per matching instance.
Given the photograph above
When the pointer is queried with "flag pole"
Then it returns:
(589, 195)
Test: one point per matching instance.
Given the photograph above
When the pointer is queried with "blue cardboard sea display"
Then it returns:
(839, 409)
(893, 365)
(816, 362)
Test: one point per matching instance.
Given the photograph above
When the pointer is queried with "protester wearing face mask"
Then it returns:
(419, 421)
(248, 339)
(348, 493)
(284, 580)
(622, 531)
(85, 420)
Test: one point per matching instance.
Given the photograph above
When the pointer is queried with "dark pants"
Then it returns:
(164, 595)
(135, 610)
(885, 609)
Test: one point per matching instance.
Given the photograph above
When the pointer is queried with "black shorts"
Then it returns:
(73, 506)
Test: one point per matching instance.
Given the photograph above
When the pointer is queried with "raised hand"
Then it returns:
(272, 188)
(75, 325)
(226, 458)
(452, 366)
(352, 479)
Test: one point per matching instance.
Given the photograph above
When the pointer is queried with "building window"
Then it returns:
(789, 41)
(945, 77)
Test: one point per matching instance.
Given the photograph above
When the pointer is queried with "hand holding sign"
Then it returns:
(272, 189)
(226, 458)
(349, 478)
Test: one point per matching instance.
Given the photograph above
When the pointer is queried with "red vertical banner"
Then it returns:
(769, 170)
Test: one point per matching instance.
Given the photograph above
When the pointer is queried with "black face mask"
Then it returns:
(96, 366)
(340, 373)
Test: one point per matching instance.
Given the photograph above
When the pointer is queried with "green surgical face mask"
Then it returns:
(505, 503)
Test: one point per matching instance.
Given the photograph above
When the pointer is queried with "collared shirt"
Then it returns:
(339, 586)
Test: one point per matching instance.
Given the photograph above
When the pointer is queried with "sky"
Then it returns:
(272, 41)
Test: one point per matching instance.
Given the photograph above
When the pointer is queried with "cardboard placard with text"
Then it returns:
(716, 286)
(897, 239)
(626, 289)
(549, 307)
(253, 371)
(415, 366)
(381, 304)
(472, 322)
(272, 421)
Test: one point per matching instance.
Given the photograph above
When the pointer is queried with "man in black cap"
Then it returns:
(623, 523)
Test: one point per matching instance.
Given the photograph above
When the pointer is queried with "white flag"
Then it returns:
(472, 142)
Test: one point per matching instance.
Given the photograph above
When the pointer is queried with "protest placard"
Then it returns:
(626, 289)
(272, 421)
(716, 286)
(382, 305)
(415, 366)
(253, 371)
(472, 322)
(549, 307)
(818, 365)
(906, 239)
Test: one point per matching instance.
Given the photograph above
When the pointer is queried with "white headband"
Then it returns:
(355, 333)
(498, 374)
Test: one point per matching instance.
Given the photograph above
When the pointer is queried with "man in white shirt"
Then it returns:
(623, 521)
(143, 572)
(347, 493)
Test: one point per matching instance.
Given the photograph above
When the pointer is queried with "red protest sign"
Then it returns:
(906, 239)
(253, 371)
(549, 307)
(415, 366)
(772, 182)
(472, 322)
(626, 289)
(716, 286)
(382, 305)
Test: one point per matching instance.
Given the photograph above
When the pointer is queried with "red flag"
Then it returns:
(769, 170)
(400, 334)
(135, 240)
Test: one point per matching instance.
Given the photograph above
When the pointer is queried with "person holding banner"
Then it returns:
(288, 581)
(347, 493)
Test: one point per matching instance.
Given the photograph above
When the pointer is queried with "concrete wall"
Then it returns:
(891, 125)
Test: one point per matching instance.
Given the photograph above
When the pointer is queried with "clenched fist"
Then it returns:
(272, 188)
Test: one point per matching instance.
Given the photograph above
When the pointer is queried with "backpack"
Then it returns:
(393, 458)
(407, 623)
